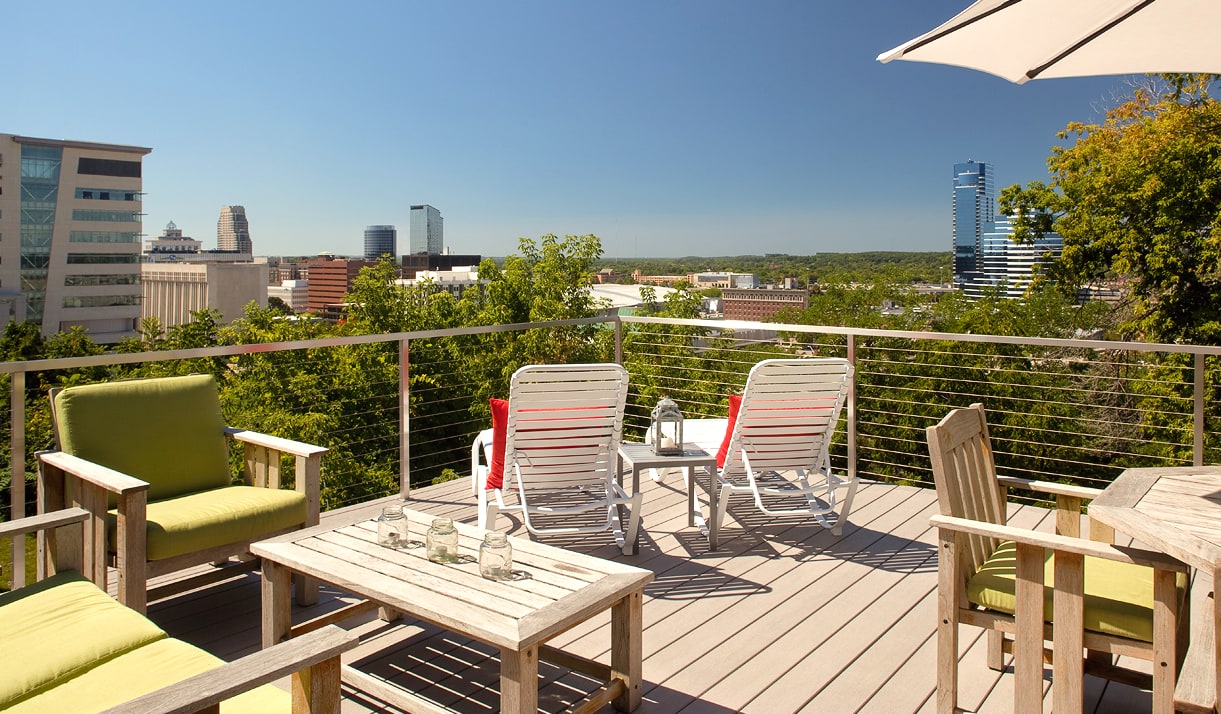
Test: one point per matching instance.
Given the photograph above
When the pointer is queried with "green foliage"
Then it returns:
(1137, 199)
(903, 267)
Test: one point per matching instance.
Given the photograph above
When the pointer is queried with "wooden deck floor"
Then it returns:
(784, 617)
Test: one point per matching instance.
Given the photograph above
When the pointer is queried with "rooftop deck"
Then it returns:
(783, 618)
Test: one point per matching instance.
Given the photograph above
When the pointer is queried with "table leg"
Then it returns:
(519, 681)
(714, 520)
(277, 605)
(1216, 616)
(627, 649)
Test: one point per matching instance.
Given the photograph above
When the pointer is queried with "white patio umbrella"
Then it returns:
(1022, 40)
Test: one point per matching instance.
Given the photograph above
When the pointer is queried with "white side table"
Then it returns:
(641, 456)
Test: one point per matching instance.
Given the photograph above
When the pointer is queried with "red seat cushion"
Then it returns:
(500, 426)
(735, 403)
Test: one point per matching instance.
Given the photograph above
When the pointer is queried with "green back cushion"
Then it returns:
(1118, 596)
(167, 431)
(60, 628)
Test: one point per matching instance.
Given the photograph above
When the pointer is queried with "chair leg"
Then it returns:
(995, 649)
(481, 518)
(489, 516)
(842, 517)
(947, 626)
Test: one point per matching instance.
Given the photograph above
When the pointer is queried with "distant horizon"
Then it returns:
(690, 126)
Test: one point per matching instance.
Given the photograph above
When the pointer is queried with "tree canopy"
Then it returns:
(1137, 199)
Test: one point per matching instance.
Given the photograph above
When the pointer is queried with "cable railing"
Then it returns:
(400, 410)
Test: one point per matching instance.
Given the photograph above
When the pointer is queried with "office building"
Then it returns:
(70, 232)
(1008, 265)
(294, 293)
(974, 206)
(760, 303)
(379, 241)
(171, 245)
(172, 291)
(412, 265)
(427, 230)
(330, 280)
(233, 231)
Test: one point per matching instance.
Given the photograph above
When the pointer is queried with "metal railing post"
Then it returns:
(618, 340)
(17, 469)
(405, 418)
(852, 408)
(1197, 441)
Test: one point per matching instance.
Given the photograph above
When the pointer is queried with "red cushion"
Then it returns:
(735, 403)
(500, 427)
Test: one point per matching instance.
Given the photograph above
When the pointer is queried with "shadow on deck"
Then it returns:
(784, 617)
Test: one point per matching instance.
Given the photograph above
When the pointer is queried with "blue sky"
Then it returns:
(665, 127)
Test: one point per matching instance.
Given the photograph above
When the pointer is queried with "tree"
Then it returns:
(1137, 200)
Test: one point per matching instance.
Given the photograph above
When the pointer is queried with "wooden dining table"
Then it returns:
(1177, 510)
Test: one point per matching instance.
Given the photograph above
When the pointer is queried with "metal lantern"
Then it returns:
(667, 426)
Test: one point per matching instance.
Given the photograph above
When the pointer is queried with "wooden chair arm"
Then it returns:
(107, 478)
(43, 522)
(1051, 487)
(315, 653)
(275, 443)
(1123, 554)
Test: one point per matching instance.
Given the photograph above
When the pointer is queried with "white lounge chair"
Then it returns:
(562, 433)
(780, 440)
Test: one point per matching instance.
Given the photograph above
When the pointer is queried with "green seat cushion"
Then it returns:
(141, 671)
(61, 627)
(166, 431)
(198, 521)
(1118, 596)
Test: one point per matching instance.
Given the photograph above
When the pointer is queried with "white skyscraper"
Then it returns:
(233, 230)
(427, 230)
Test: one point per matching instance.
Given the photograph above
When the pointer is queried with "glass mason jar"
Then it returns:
(392, 527)
(496, 557)
(442, 541)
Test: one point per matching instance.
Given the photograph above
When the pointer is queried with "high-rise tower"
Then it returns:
(427, 231)
(973, 208)
(233, 231)
(70, 227)
(379, 241)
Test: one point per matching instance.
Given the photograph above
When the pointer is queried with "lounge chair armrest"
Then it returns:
(275, 443)
(96, 474)
(1057, 489)
(263, 667)
(43, 521)
(1123, 554)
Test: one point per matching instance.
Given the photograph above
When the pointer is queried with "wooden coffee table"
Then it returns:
(560, 590)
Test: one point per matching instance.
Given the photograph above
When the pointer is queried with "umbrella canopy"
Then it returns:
(1021, 40)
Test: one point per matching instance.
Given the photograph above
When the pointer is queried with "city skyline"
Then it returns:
(666, 129)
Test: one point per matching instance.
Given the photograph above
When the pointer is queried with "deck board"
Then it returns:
(784, 617)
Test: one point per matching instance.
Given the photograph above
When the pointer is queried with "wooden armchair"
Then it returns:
(124, 661)
(154, 453)
(1014, 582)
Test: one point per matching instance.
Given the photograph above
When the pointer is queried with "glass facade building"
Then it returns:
(974, 207)
(427, 231)
(379, 241)
(70, 226)
(1007, 265)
